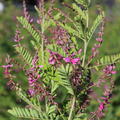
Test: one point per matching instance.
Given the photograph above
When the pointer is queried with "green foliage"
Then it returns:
(25, 54)
(81, 116)
(59, 75)
(7, 28)
(78, 30)
(83, 3)
(29, 28)
(35, 111)
(107, 60)
(95, 25)
(24, 113)
(64, 73)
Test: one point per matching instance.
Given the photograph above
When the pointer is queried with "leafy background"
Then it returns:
(7, 28)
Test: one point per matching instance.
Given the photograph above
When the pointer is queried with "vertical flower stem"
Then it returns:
(42, 14)
(87, 17)
(72, 108)
(42, 45)
(85, 41)
(85, 50)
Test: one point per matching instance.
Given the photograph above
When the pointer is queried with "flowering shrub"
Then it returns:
(61, 65)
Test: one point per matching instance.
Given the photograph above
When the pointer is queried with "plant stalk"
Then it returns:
(42, 45)
(72, 109)
(85, 50)
(85, 41)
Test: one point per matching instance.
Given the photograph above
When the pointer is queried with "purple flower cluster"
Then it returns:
(17, 37)
(55, 58)
(60, 35)
(99, 39)
(7, 72)
(26, 14)
(35, 86)
(33, 75)
(32, 81)
(109, 70)
(100, 111)
(72, 60)
(7, 69)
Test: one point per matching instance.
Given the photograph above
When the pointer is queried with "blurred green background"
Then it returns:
(111, 45)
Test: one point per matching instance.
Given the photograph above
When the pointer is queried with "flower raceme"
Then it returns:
(56, 58)
(7, 68)
(110, 70)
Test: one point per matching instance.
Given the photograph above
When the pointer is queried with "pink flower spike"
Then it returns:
(67, 59)
(75, 60)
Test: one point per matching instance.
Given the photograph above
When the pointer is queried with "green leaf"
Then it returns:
(64, 74)
(81, 116)
(50, 22)
(25, 113)
(96, 23)
(29, 28)
(25, 54)
(83, 3)
(52, 109)
(55, 85)
(71, 30)
(107, 60)
(80, 12)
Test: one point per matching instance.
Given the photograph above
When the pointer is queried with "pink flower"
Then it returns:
(99, 39)
(71, 60)
(110, 70)
(100, 34)
(113, 72)
(17, 37)
(40, 66)
(67, 59)
(31, 92)
(101, 107)
(55, 58)
(75, 60)
(7, 66)
(52, 61)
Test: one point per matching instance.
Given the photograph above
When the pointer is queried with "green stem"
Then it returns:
(85, 41)
(85, 50)
(42, 45)
(72, 109)
(61, 114)
(87, 17)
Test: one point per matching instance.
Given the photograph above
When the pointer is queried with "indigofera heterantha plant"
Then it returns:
(61, 73)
